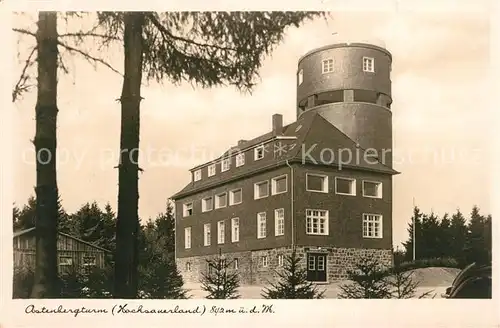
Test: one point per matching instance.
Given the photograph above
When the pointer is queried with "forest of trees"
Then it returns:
(464, 239)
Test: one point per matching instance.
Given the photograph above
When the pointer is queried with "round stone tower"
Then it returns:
(349, 84)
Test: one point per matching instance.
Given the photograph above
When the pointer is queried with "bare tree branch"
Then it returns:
(91, 59)
(22, 85)
(81, 35)
(24, 31)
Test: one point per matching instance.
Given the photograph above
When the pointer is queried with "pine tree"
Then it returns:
(369, 280)
(444, 236)
(292, 282)
(219, 281)
(417, 217)
(401, 284)
(458, 233)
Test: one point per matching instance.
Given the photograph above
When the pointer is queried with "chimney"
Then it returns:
(241, 142)
(277, 124)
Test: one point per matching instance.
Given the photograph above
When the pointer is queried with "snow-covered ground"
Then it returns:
(435, 280)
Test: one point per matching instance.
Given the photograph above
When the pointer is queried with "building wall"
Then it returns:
(345, 212)
(25, 251)
(251, 271)
(246, 212)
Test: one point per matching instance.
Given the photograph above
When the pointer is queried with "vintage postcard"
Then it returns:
(206, 166)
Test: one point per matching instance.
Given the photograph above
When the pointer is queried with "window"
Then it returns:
(188, 266)
(221, 200)
(311, 263)
(225, 165)
(372, 226)
(261, 225)
(235, 230)
(207, 204)
(317, 222)
(265, 261)
(220, 232)
(281, 260)
(197, 175)
(261, 189)
(279, 185)
(211, 170)
(187, 237)
(279, 222)
(301, 76)
(236, 264)
(240, 159)
(259, 153)
(327, 65)
(372, 189)
(316, 182)
(321, 263)
(368, 64)
(188, 209)
(345, 186)
(65, 260)
(206, 234)
(89, 261)
(235, 197)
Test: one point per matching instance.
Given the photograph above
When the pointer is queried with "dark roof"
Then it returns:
(315, 132)
(25, 231)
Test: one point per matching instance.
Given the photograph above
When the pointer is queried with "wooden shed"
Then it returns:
(71, 251)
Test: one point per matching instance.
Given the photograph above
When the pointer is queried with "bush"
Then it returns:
(94, 283)
(446, 262)
(22, 282)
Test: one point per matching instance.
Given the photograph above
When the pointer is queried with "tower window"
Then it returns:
(301, 76)
(368, 64)
(327, 65)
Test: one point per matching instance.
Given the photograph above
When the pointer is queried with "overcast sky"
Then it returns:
(440, 116)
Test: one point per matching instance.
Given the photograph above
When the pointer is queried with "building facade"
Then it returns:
(321, 185)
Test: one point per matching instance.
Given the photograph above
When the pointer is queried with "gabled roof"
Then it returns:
(25, 231)
(311, 133)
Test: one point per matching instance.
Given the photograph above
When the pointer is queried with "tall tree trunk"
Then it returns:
(126, 257)
(45, 284)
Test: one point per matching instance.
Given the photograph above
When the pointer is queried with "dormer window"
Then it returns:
(197, 175)
(327, 65)
(211, 170)
(368, 64)
(259, 153)
(225, 165)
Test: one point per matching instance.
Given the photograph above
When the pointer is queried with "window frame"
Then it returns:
(323, 66)
(207, 234)
(353, 183)
(236, 263)
(380, 226)
(197, 175)
(185, 209)
(186, 239)
(212, 170)
(235, 223)
(325, 182)
(217, 203)
(300, 76)
(311, 217)
(203, 204)
(256, 150)
(256, 189)
(277, 220)
(225, 161)
(273, 184)
(281, 260)
(231, 196)
(240, 159)
(265, 261)
(221, 233)
(261, 233)
(370, 59)
(379, 190)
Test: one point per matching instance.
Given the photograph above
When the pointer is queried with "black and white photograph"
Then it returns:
(250, 156)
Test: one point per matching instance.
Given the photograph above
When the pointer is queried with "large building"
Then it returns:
(321, 185)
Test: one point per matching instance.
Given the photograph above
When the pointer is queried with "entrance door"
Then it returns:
(316, 267)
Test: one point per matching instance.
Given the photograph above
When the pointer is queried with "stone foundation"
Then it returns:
(252, 271)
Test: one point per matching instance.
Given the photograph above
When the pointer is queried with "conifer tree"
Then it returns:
(219, 281)
(292, 282)
(368, 280)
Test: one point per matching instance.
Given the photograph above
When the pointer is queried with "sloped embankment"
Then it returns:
(435, 276)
